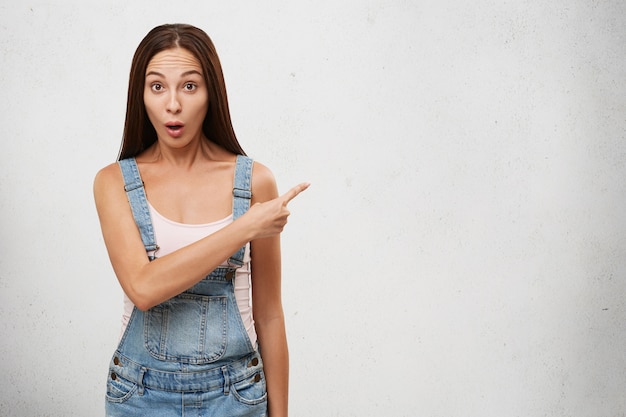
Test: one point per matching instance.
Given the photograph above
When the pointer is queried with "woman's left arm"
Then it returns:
(267, 304)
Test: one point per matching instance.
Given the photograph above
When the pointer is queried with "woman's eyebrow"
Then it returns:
(184, 74)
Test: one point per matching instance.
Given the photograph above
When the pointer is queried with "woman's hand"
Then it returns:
(270, 217)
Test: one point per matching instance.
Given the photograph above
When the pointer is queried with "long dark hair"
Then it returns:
(139, 133)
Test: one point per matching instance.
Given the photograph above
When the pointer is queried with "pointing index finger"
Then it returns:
(291, 194)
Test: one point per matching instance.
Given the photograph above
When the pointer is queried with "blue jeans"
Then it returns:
(236, 389)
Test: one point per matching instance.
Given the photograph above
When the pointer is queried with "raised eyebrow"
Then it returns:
(191, 72)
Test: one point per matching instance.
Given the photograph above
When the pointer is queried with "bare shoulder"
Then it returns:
(263, 183)
(108, 181)
(108, 175)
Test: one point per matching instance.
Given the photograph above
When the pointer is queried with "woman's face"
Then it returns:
(176, 97)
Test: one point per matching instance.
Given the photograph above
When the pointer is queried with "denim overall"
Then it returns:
(190, 355)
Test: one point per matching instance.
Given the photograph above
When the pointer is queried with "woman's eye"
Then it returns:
(190, 87)
(156, 87)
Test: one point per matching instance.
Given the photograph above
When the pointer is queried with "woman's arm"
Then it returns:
(145, 282)
(267, 304)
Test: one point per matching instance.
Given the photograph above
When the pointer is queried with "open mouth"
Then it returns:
(175, 128)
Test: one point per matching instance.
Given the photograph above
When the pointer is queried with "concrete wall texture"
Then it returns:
(460, 252)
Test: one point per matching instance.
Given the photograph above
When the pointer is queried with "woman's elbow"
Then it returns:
(141, 298)
(143, 305)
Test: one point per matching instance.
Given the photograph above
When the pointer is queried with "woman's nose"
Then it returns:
(173, 104)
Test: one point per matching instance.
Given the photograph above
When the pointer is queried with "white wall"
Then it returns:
(461, 249)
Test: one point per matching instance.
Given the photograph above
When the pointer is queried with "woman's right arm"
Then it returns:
(150, 283)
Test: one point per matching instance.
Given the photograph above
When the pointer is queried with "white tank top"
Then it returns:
(172, 236)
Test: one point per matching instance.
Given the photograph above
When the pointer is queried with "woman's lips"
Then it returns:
(174, 129)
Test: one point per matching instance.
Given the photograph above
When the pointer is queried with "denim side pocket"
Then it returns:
(119, 389)
(252, 390)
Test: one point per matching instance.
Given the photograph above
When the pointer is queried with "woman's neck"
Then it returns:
(196, 151)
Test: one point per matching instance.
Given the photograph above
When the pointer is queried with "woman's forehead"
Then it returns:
(173, 59)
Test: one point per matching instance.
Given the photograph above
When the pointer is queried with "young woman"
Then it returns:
(192, 229)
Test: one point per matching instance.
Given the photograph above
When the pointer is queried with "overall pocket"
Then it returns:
(251, 391)
(188, 328)
(119, 389)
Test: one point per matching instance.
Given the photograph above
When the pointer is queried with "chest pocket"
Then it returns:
(188, 328)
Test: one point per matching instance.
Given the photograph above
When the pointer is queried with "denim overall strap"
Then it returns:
(138, 202)
(242, 194)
